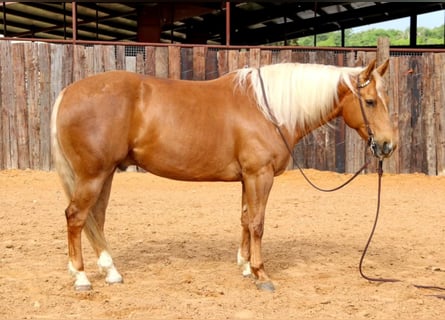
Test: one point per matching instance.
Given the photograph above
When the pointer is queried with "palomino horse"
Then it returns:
(219, 130)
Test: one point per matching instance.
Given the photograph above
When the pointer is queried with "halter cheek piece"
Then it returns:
(371, 142)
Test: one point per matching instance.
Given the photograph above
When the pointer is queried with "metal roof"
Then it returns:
(251, 23)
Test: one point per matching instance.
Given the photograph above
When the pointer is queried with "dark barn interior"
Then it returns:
(199, 22)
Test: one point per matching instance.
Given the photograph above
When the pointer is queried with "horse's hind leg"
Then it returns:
(243, 257)
(85, 196)
(94, 229)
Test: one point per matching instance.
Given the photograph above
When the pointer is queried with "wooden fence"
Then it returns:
(32, 74)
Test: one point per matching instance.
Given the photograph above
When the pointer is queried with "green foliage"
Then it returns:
(425, 36)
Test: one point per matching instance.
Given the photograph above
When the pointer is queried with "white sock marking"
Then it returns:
(105, 263)
(245, 265)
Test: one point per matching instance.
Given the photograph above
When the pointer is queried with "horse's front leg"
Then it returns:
(257, 188)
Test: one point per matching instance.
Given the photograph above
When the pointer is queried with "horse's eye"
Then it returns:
(370, 102)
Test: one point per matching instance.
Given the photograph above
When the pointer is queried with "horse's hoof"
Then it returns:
(113, 277)
(265, 286)
(114, 281)
(82, 287)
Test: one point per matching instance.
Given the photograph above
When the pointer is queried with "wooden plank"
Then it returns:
(57, 72)
(21, 114)
(199, 58)
(174, 62)
(140, 63)
(439, 102)
(33, 92)
(109, 58)
(233, 60)
(56, 84)
(211, 64)
(9, 141)
(89, 61)
(2, 150)
(265, 57)
(187, 63)
(161, 62)
(150, 61)
(405, 130)
(254, 57)
(98, 59)
(285, 56)
(300, 56)
(78, 62)
(428, 114)
(45, 104)
(223, 62)
(120, 58)
(370, 55)
(415, 110)
(243, 59)
(68, 52)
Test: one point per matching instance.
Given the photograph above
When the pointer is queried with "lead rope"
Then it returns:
(380, 174)
(371, 144)
(365, 250)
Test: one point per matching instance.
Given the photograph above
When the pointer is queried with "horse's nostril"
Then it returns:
(387, 148)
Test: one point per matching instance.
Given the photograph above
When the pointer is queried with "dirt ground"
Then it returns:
(175, 244)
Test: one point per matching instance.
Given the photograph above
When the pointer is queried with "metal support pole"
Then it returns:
(413, 31)
(228, 23)
(74, 17)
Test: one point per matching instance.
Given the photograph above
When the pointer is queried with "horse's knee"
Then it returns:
(257, 228)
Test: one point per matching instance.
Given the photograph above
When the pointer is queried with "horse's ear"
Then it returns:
(383, 67)
(365, 75)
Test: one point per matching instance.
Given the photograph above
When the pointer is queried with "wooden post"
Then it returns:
(382, 49)
(439, 101)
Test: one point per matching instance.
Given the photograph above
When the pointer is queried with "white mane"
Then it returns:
(299, 95)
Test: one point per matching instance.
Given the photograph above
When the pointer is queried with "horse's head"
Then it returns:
(366, 110)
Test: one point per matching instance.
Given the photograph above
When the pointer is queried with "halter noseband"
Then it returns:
(371, 142)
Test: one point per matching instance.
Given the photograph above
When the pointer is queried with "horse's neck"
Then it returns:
(335, 112)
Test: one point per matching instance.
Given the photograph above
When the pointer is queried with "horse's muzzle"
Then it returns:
(383, 150)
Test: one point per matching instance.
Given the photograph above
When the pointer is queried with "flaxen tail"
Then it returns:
(67, 176)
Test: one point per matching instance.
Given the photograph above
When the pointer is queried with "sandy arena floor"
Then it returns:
(175, 244)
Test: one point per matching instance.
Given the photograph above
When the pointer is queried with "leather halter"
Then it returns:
(371, 142)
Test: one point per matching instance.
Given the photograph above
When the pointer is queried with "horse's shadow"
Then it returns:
(139, 256)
